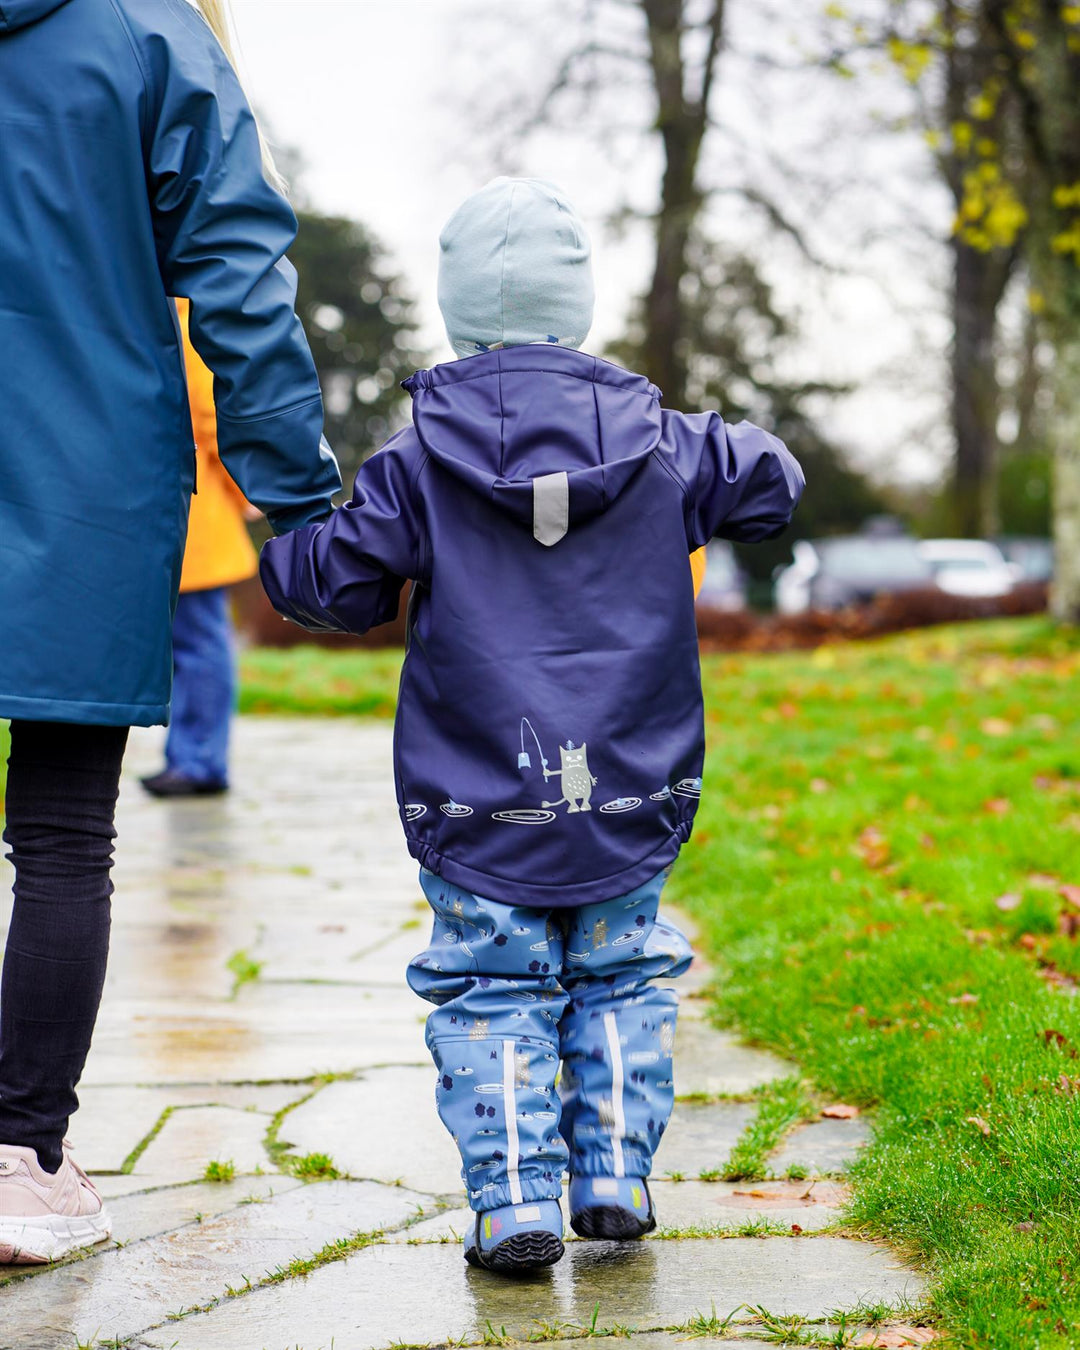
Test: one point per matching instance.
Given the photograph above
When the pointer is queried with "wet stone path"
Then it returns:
(258, 1111)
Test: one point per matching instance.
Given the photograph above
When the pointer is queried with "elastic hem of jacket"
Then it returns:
(546, 896)
(84, 714)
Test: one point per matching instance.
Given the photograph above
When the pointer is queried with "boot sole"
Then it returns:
(40, 1241)
(610, 1223)
(519, 1254)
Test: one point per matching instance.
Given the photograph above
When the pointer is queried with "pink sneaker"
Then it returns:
(44, 1216)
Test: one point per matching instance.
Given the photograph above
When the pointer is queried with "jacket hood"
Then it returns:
(18, 13)
(549, 434)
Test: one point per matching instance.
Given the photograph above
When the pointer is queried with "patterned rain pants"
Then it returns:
(517, 990)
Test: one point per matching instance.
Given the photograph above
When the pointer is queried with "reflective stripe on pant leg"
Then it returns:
(510, 1108)
(618, 1110)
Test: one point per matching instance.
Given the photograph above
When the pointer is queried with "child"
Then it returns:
(543, 505)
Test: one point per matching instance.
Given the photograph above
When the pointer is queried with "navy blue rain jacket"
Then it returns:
(550, 733)
(129, 172)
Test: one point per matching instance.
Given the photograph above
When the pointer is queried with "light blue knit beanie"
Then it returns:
(514, 268)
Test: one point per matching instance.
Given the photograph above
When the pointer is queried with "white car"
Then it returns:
(971, 567)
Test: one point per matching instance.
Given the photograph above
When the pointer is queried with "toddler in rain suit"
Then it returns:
(549, 738)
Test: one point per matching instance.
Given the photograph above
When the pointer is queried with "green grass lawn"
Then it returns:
(883, 869)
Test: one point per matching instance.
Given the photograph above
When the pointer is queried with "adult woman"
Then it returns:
(129, 171)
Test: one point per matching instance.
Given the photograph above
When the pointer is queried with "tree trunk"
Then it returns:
(1065, 591)
(681, 120)
(978, 282)
(665, 356)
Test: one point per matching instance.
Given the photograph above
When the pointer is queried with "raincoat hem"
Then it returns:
(541, 895)
(84, 714)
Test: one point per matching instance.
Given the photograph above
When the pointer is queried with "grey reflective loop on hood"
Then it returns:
(551, 507)
(18, 13)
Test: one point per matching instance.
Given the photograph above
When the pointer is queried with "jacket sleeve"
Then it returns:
(345, 574)
(741, 483)
(221, 233)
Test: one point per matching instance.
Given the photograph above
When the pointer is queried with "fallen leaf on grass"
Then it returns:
(839, 1111)
(1071, 894)
(1026, 1227)
(1069, 924)
(965, 998)
(998, 806)
(995, 726)
(1010, 900)
(983, 1126)
(872, 847)
(819, 785)
(1043, 881)
(1028, 941)
(1057, 978)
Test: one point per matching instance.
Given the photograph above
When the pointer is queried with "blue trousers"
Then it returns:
(517, 990)
(204, 686)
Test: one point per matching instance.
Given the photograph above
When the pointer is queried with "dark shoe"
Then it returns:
(612, 1209)
(169, 783)
(517, 1239)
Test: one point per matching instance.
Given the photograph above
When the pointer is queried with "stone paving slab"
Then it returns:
(196, 1135)
(349, 1121)
(370, 1301)
(712, 1062)
(121, 1292)
(823, 1146)
(372, 954)
(152, 1213)
(733, 1204)
(700, 1135)
(265, 1034)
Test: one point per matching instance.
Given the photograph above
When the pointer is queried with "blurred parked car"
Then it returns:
(724, 587)
(850, 569)
(1033, 555)
(969, 566)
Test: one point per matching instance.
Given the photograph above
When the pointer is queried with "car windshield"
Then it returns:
(873, 560)
(962, 564)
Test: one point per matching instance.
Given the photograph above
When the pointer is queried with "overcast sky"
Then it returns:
(386, 101)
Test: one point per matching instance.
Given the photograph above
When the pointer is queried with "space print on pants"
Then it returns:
(518, 989)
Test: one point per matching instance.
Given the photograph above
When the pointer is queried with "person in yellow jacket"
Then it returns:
(218, 554)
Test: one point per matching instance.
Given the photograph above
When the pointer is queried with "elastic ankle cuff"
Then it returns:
(498, 1194)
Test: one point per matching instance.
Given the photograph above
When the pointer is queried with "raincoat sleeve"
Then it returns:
(741, 483)
(221, 233)
(345, 574)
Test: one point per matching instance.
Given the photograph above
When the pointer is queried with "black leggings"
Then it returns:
(61, 802)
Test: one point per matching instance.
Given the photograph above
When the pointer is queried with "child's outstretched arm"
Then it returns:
(345, 574)
(741, 483)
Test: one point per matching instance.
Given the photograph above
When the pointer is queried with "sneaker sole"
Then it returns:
(39, 1241)
(610, 1223)
(519, 1254)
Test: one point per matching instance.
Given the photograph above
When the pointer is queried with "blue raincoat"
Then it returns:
(550, 733)
(130, 172)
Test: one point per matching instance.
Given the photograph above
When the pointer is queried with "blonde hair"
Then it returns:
(216, 13)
